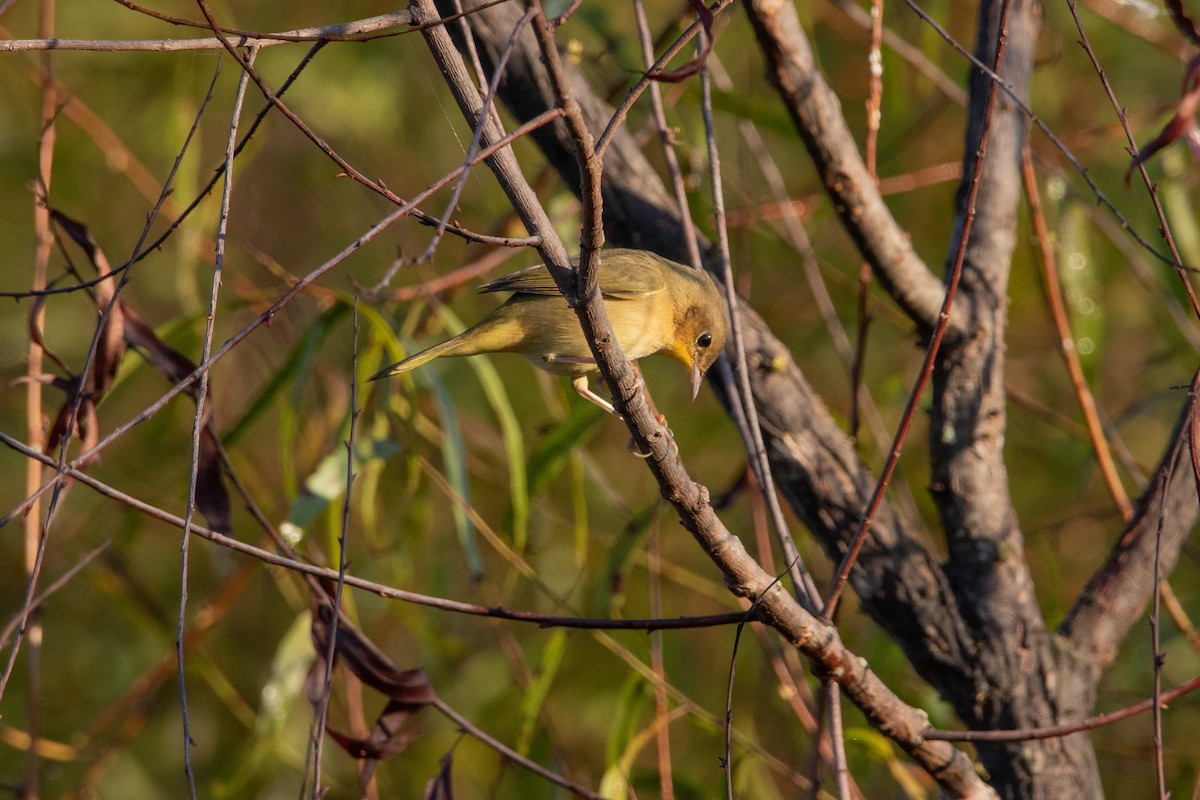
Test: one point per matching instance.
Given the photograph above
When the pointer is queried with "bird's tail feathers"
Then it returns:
(495, 334)
(447, 348)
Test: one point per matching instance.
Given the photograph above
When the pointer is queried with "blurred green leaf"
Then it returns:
(610, 592)
(550, 456)
(454, 462)
(631, 703)
(539, 688)
(300, 355)
(278, 710)
(510, 428)
(327, 482)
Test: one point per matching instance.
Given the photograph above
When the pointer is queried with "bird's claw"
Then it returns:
(633, 448)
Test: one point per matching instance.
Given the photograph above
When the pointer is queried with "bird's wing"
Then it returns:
(615, 284)
(535, 280)
(630, 282)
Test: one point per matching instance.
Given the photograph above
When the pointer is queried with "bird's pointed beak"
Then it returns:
(697, 378)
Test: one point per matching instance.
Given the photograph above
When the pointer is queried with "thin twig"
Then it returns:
(199, 421)
(303, 127)
(727, 759)
(794, 233)
(1058, 731)
(510, 754)
(1175, 260)
(1155, 614)
(874, 115)
(911, 53)
(643, 83)
(1066, 342)
(802, 581)
(666, 140)
(662, 737)
(488, 111)
(322, 713)
(837, 736)
(34, 534)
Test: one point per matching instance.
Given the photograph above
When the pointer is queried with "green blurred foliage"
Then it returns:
(572, 700)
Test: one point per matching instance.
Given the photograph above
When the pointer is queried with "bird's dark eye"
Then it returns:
(704, 340)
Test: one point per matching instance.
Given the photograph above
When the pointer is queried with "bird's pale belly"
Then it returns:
(562, 348)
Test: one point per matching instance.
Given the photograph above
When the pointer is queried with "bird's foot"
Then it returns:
(632, 446)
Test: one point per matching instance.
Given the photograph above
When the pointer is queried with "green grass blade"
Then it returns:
(289, 371)
(510, 429)
(454, 461)
(539, 688)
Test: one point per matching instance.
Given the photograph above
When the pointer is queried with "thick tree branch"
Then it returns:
(1023, 676)
(817, 115)
(1116, 596)
(970, 479)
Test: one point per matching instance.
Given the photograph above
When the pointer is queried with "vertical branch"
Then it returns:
(662, 736)
(34, 543)
(874, 114)
(727, 759)
(1157, 653)
(200, 420)
(794, 233)
(837, 736)
(591, 168)
(804, 586)
(666, 140)
(335, 616)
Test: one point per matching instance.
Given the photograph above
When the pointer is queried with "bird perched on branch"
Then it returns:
(655, 306)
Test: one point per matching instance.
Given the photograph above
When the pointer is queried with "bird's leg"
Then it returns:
(580, 384)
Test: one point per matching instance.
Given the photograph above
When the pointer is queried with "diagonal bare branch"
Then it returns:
(817, 115)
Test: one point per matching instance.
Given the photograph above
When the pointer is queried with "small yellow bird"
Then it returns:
(655, 306)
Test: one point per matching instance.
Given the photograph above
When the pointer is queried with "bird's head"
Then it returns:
(700, 327)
